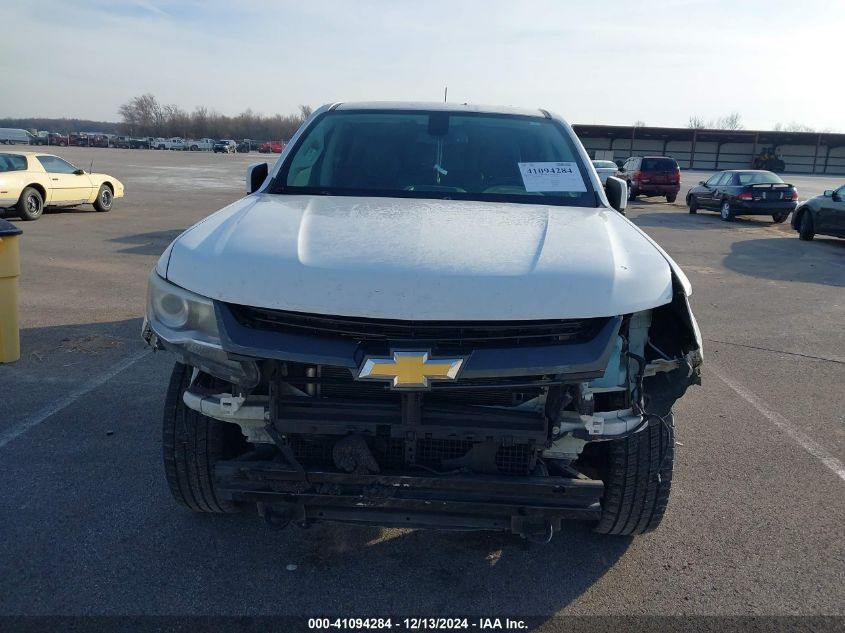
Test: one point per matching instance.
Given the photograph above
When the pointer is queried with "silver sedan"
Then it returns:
(605, 168)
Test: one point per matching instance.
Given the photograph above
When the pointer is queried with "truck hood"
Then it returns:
(420, 259)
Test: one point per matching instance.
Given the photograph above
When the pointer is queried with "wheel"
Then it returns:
(105, 197)
(806, 230)
(631, 192)
(192, 444)
(671, 197)
(30, 204)
(195, 148)
(725, 211)
(692, 203)
(637, 479)
(780, 217)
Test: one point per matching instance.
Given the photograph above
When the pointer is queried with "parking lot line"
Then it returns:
(51, 409)
(806, 442)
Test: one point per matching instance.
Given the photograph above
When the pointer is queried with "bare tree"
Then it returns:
(199, 122)
(795, 127)
(732, 121)
(141, 115)
(175, 121)
(144, 116)
(696, 123)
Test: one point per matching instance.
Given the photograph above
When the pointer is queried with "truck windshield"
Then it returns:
(443, 155)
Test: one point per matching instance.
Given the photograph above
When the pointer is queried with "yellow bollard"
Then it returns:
(10, 270)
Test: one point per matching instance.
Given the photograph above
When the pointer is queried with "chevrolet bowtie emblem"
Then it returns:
(410, 370)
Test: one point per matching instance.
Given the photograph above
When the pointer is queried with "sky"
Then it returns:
(600, 62)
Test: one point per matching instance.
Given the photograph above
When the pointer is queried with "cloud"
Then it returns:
(152, 8)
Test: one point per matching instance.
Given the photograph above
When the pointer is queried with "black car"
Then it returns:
(224, 147)
(744, 192)
(823, 215)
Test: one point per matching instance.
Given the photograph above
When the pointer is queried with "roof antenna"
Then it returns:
(445, 92)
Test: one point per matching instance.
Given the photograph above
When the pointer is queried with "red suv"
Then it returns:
(651, 176)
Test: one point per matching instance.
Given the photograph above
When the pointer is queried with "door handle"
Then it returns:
(55, 178)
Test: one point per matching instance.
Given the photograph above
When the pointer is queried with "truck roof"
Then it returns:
(437, 107)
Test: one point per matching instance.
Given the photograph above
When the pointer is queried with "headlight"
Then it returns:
(180, 314)
(172, 309)
(185, 324)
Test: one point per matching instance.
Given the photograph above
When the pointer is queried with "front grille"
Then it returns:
(440, 335)
(338, 382)
(517, 459)
(389, 453)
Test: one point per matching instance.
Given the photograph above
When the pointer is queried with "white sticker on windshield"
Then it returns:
(551, 177)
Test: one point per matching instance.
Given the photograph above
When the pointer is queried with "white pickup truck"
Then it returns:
(425, 315)
(175, 143)
(200, 145)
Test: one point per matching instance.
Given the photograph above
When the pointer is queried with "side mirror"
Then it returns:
(703, 184)
(256, 174)
(828, 193)
(79, 172)
(617, 193)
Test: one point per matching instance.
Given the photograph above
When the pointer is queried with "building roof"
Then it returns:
(763, 137)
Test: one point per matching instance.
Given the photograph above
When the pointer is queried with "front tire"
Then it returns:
(638, 479)
(192, 444)
(806, 230)
(725, 211)
(779, 218)
(671, 197)
(30, 205)
(632, 193)
(105, 198)
(692, 203)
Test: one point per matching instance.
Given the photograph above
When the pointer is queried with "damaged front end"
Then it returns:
(456, 425)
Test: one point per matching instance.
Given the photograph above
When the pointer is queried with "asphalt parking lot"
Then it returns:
(754, 524)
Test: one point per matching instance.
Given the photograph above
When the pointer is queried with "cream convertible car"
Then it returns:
(30, 181)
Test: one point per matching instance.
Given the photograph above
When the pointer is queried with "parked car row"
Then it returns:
(732, 193)
(736, 192)
(50, 138)
(101, 139)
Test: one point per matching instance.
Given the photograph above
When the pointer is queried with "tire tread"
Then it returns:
(635, 499)
(191, 444)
